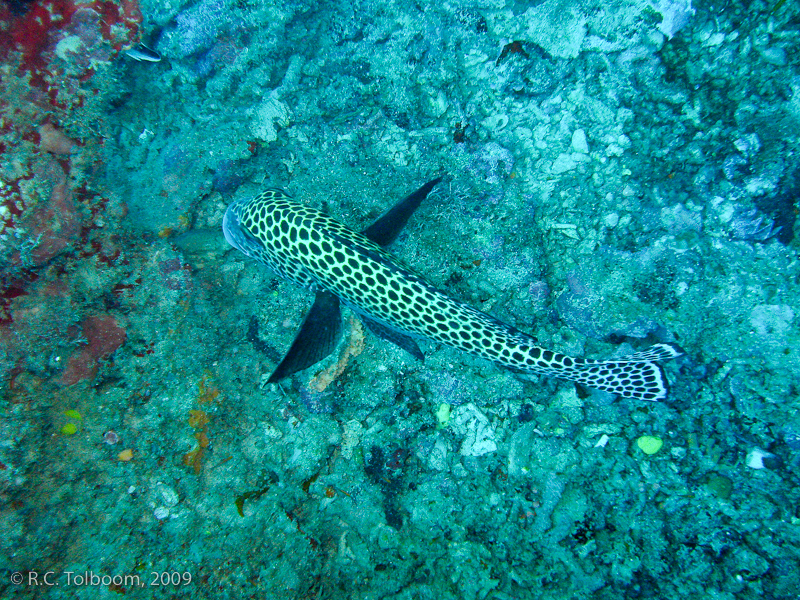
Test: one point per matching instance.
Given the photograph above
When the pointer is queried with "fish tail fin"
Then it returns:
(637, 376)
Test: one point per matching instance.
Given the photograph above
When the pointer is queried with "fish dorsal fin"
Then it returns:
(318, 336)
(384, 231)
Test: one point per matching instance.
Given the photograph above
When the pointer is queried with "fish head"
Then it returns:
(236, 232)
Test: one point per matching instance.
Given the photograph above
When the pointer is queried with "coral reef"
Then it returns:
(616, 174)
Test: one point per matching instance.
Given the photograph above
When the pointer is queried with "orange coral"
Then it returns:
(206, 394)
(198, 419)
(194, 458)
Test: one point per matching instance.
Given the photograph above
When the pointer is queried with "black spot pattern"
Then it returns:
(372, 281)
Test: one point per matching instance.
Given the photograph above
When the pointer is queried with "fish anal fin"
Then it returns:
(384, 231)
(318, 336)
(400, 340)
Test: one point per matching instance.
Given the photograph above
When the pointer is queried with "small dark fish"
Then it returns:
(140, 52)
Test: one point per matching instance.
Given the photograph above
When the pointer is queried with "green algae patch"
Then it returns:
(649, 444)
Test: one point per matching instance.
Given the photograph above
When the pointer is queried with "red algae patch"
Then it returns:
(103, 336)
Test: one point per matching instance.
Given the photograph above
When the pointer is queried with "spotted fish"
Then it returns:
(340, 265)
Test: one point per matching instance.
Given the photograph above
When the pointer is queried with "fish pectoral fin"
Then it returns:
(318, 336)
(384, 231)
(401, 340)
